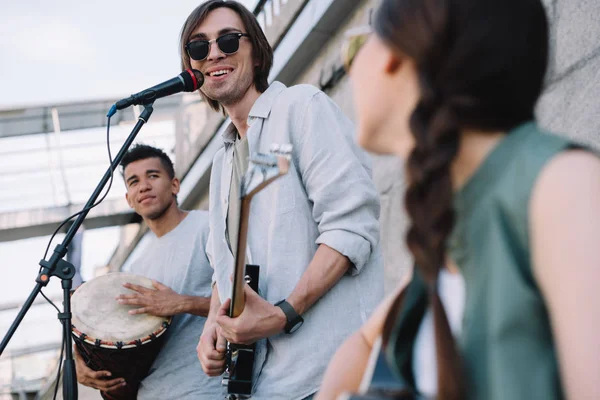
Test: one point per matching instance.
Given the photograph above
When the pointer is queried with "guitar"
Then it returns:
(263, 169)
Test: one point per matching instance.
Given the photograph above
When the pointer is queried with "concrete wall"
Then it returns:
(569, 106)
(570, 103)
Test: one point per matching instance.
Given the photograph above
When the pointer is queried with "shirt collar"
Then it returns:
(261, 109)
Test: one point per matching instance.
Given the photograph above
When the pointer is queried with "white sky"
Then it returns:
(62, 50)
(68, 50)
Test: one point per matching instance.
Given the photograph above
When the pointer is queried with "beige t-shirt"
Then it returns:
(240, 166)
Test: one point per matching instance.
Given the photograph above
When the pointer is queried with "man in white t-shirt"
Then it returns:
(176, 260)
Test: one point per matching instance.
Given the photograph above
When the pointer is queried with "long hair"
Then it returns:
(262, 52)
(480, 65)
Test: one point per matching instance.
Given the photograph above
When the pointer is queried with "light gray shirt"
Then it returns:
(178, 260)
(327, 197)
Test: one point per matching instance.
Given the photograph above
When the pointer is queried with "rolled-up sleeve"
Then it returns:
(337, 176)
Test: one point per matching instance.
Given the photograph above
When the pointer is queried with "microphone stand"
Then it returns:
(64, 270)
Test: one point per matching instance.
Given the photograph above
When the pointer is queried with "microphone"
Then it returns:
(189, 80)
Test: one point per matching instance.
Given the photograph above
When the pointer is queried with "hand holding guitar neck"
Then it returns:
(260, 319)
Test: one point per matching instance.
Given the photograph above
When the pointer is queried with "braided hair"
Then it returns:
(480, 65)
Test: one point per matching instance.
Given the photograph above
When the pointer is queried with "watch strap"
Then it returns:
(293, 318)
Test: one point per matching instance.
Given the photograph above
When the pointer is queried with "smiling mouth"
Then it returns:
(145, 200)
(221, 72)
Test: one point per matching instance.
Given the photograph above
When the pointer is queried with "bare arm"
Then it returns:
(194, 305)
(565, 231)
(163, 301)
(346, 368)
(325, 269)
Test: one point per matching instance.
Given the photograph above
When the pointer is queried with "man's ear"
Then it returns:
(175, 186)
(128, 200)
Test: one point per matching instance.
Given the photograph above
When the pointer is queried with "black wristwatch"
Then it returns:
(294, 320)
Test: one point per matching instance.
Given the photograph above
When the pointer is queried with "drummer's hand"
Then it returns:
(260, 319)
(95, 379)
(211, 349)
(161, 301)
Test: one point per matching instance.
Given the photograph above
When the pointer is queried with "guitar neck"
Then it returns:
(239, 270)
(263, 169)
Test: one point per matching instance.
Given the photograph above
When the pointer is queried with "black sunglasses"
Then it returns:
(229, 43)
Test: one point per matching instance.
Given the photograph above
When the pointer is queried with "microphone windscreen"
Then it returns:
(192, 79)
(199, 78)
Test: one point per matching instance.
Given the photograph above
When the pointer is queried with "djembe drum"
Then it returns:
(109, 338)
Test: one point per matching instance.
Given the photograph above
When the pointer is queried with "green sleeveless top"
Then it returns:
(506, 342)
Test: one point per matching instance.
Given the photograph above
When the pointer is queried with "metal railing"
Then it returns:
(267, 10)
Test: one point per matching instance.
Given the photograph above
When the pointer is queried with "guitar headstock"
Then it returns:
(264, 168)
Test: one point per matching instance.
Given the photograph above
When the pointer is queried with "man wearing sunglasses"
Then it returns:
(314, 232)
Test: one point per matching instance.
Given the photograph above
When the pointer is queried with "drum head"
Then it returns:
(98, 316)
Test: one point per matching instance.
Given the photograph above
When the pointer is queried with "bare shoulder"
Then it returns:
(569, 174)
(565, 227)
(565, 210)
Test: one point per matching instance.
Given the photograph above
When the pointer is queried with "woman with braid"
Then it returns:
(505, 217)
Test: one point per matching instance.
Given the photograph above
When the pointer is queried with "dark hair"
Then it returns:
(142, 152)
(262, 52)
(480, 65)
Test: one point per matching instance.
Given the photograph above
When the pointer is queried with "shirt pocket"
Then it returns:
(286, 191)
(279, 197)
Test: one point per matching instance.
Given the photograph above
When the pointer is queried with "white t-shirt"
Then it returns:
(178, 260)
(451, 288)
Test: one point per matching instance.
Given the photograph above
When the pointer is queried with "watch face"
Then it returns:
(296, 326)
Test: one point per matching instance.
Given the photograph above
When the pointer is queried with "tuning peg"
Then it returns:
(281, 149)
(274, 148)
(286, 148)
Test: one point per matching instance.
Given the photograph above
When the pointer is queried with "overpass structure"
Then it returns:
(53, 132)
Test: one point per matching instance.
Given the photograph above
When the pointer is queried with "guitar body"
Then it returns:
(379, 382)
(239, 357)
(384, 385)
